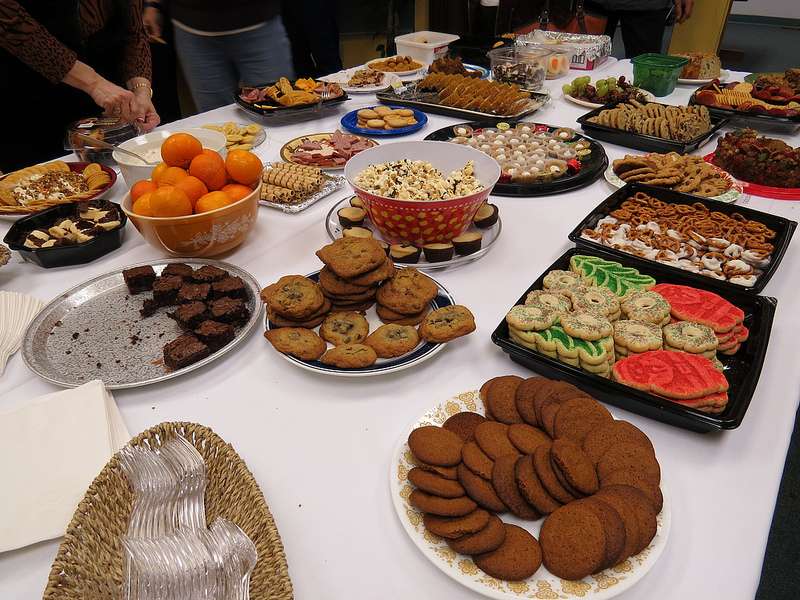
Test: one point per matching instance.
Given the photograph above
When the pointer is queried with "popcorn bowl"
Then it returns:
(200, 235)
(422, 222)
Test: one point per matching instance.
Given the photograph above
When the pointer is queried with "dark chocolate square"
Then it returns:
(191, 292)
(165, 289)
(178, 269)
(214, 334)
(232, 287)
(184, 350)
(139, 279)
(208, 273)
(229, 310)
(191, 314)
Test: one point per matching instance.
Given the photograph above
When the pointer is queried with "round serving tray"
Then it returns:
(765, 191)
(95, 331)
(461, 568)
(588, 104)
(350, 123)
(289, 147)
(733, 195)
(591, 170)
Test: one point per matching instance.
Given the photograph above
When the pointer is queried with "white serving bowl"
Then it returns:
(132, 172)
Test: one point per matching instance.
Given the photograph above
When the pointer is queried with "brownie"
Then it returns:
(190, 292)
(165, 289)
(139, 279)
(183, 351)
(208, 273)
(214, 334)
(149, 307)
(191, 314)
(179, 269)
(232, 287)
(229, 310)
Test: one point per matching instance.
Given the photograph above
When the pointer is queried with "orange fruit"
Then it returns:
(168, 201)
(209, 168)
(141, 187)
(192, 187)
(179, 149)
(171, 176)
(243, 166)
(141, 206)
(158, 172)
(237, 191)
(212, 201)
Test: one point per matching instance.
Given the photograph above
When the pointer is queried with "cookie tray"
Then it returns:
(783, 228)
(640, 141)
(742, 369)
(753, 119)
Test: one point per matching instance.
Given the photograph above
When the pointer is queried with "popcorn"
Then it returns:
(417, 180)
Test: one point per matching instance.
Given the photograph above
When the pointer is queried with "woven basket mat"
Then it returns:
(89, 560)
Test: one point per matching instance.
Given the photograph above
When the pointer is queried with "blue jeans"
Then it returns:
(215, 66)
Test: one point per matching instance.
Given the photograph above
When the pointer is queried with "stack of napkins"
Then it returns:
(51, 450)
(16, 312)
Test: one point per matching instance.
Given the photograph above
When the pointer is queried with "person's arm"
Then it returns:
(683, 10)
(137, 69)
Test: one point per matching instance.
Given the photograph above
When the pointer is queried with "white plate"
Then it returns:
(401, 74)
(421, 353)
(730, 197)
(461, 568)
(723, 76)
(258, 138)
(490, 236)
(342, 77)
(580, 102)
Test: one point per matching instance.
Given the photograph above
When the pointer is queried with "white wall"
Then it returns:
(787, 9)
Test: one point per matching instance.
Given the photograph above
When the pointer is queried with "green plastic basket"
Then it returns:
(657, 73)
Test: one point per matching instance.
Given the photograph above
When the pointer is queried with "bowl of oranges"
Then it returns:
(196, 203)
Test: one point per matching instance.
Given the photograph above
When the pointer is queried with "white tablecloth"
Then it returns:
(320, 447)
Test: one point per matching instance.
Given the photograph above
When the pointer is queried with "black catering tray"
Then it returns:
(742, 369)
(649, 143)
(745, 117)
(308, 111)
(783, 228)
(591, 170)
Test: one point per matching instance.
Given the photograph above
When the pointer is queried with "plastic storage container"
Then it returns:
(424, 46)
(559, 59)
(523, 67)
(108, 129)
(657, 73)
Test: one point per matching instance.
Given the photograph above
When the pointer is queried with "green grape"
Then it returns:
(601, 91)
(612, 83)
(567, 89)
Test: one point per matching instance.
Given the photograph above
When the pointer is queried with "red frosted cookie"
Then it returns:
(711, 403)
(675, 375)
(691, 304)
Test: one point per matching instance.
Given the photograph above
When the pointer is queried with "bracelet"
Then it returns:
(151, 4)
(136, 86)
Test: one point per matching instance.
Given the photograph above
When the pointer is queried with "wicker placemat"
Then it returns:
(89, 559)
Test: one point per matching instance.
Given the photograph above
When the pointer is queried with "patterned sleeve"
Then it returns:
(137, 61)
(23, 37)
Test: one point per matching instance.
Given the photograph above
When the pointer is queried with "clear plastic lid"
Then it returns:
(110, 129)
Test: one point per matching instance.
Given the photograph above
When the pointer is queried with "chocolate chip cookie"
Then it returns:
(296, 341)
(350, 356)
(392, 340)
(344, 328)
(446, 324)
(408, 292)
(332, 283)
(349, 257)
(294, 297)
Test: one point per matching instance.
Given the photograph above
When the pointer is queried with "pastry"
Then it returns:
(480, 490)
(208, 274)
(215, 335)
(525, 396)
(351, 216)
(232, 287)
(546, 299)
(486, 216)
(407, 292)
(392, 340)
(642, 508)
(344, 328)
(599, 300)
(191, 292)
(586, 326)
(405, 253)
(190, 315)
(574, 465)
(544, 470)
(356, 232)
(333, 284)
(492, 438)
(579, 416)
(629, 457)
(560, 280)
(165, 290)
(179, 269)
(467, 243)
(296, 341)
(438, 252)
(613, 528)
(184, 351)
(139, 279)
(639, 479)
(527, 438)
(387, 315)
(446, 324)
(350, 356)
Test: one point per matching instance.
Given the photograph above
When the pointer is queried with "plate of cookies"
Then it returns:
(378, 318)
(349, 218)
(530, 488)
(384, 120)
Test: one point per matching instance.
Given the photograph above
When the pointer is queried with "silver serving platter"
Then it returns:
(95, 331)
(331, 184)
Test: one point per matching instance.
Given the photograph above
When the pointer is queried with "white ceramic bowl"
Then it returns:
(132, 172)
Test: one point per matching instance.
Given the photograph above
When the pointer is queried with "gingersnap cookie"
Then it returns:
(344, 328)
(484, 392)
(444, 507)
(573, 542)
(446, 472)
(613, 528)
(556, 301)
(624, 456)
(349, 257)
(642, 508)
(492, 437)
(578, 416)
(531, 487)
(544, 469)
(387, 315)
(501, 399)
(505, 484)
(477, 460)
(647, 306)
(574, 465)
(586, 326)
(630, 522)
(455, 527)
(435, 484)
(561, 280)
(480, 490)
(389, 341)
(382, 272)
(531, 318)
(639, 479)
(297, 341)
(598, 441)
(636, 336)
(551, 390)
(485, 540)
(333, 284)
(527, 438)
(524, 399)
(446, 324)
(295, 297)
(463, 424)
(517, 558)
(435, 446)
(350, 356)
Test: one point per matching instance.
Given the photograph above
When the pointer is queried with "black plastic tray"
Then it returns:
(284, 111)
(591, 170)
(63, 256)
(741, 115)
(742, 369)
(649, 143)
(783, 228)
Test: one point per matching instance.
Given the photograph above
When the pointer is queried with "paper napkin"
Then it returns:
(16, 312)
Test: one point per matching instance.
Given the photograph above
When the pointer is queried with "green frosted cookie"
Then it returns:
(561, 280)
(531, 318)
(549, 299)
(647, 306)
(586, 326)
(610, 274)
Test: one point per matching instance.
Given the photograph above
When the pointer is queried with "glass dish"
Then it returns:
(108, 129)
(525, 68)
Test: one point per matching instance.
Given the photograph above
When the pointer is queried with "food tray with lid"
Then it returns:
(742, 369)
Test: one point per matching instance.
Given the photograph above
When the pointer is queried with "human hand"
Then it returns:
(683, 10)
(150, 120)
(152, 20)
(114, 100)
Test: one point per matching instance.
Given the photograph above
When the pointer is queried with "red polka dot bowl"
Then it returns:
(421, 222)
